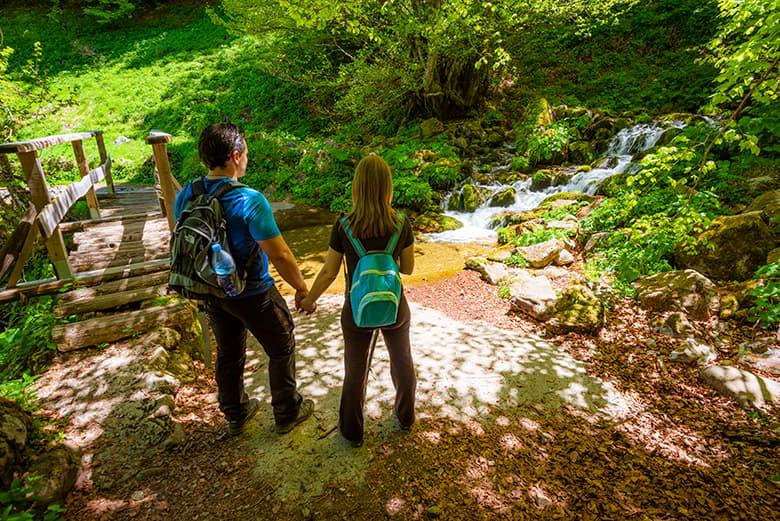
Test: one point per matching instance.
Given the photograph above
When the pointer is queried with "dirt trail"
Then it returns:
(512, 426)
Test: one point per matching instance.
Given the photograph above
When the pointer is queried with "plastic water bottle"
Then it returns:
(223, 265)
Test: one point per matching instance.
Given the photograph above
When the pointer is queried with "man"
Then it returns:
(254, 239)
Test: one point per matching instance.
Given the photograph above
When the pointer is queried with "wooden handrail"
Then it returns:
(45, 142)
(13, 248)
(168, 184)
(51, 215)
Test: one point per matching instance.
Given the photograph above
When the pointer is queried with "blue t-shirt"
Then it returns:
(249, 219)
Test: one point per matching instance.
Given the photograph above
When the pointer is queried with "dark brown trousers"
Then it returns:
(268, 318)
(356, 347)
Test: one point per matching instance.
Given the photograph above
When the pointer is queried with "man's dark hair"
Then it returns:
(217, 142)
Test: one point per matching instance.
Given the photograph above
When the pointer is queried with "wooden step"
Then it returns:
(141, 281)
(110, 300)
(84, 225)
(98, 262)
(117, 326)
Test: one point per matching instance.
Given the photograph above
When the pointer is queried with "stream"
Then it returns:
(618, 158)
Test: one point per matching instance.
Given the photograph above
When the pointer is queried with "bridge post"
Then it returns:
(159, 142)
(91, 196)
(101, 144)
(39, 193)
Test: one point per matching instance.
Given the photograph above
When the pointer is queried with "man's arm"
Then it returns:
(284, 261)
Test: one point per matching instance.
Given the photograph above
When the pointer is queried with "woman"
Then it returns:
(373, 222)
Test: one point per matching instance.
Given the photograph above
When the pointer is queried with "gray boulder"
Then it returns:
(747, 388)
(686, 291)
(534, 296)
(15, 425)
(55, 471)
(542, 254)
(490, 272)
(732, 248)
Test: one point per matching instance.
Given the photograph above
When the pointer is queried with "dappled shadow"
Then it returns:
(463, 370)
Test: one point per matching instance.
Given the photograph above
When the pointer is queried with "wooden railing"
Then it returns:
(168, 184)
(47, 212)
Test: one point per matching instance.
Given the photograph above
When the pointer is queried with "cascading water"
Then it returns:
(618, 159)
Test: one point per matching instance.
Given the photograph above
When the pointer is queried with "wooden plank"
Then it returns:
(52, 214)
(81, 161)
(87, 278)
(105, 159)
(142, 281)
(43, 142)
(39, 193)
(85, 225)
(166, 181)
(10, 253)
(156, 137)
(96, 264)
(110, 300)
(110, 328)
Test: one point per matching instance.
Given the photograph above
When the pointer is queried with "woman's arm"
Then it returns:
(407, 260)
(326, 276)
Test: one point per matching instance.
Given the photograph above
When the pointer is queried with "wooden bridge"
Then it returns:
(111, 269)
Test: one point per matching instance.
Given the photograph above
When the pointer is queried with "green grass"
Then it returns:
(172, 70)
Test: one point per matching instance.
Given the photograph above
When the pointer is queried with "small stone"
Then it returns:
(542, 254)
(694, 353)
(138, 495)
(565, 257)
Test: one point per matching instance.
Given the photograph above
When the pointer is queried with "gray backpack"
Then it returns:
(201, 224)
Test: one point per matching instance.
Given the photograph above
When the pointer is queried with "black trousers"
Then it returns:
(356, 347)
(268, 318)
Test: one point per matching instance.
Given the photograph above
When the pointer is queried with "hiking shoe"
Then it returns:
(307, 407)
(237, 427)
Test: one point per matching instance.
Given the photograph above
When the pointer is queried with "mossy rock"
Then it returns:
(512, 218)
(667, 137)
(509, 177)
(768, 203)
(503, 198)
(431, 127)
(578, 309)
(685, 117)
(732, 248)
(573, 196)
(612, 185)
(431, 222)
(543, 179)
(539, 112)
(581, 152)
(469, 198)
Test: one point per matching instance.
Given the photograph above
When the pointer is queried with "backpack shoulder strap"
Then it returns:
(359, 249)
(224, 188)
(198, 187)
(396, 235)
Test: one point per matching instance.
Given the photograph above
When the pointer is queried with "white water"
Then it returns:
(618, 159)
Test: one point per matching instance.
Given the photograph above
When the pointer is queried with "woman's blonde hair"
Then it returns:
(372, 193)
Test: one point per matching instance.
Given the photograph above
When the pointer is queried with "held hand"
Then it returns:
(308, 306)
(299, 296)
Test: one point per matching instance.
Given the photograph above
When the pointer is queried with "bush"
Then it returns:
(766, 309)
(25, 343)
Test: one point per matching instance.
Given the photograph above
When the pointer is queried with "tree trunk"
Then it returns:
(453, 86)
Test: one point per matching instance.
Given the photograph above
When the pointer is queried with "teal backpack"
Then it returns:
(376, 282)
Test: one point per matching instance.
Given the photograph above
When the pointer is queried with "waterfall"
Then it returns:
(617, 159)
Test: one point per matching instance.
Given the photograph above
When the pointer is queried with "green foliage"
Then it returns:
(504, 292)
(766, 308)
(545, 143)
(520, 163)
(19, 390)
(505, 235)
(15, 504)
(535, 237)
(516, 260)
(746, 51)
(25, 343)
